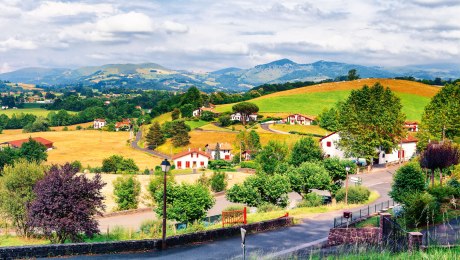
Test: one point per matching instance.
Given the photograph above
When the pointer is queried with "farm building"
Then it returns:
(124, 125)
(411, 126)
(18, 143)
(298, 119)
(191, 159)
(225, 151)
(238, 117)
(406, 149)
(197, 112)
(99, 123)
(247, 155)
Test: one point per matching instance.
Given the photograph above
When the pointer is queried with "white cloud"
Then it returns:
(49, 9)
(236, 48)
(173, 27)
(13, 43)
(5, 68)
(132, 22)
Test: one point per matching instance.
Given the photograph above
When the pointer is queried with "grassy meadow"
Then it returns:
(308, 129)
(35, 111)
(314, 99)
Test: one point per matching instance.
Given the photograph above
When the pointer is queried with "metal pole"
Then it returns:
(163, 244)
(244, 251)
(346, 190)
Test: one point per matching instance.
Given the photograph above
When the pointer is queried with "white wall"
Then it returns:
(332, 151)
(223, 153)
(410, 149)
(192, 157)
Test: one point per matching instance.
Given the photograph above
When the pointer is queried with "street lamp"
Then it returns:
(165, 166)
(347, 169)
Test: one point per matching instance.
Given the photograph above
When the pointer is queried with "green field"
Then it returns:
(314, 103)
(196, 124)
(34, 111)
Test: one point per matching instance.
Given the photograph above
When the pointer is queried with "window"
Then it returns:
(202, 164)
(179, 164)
(187, 164)
(328, 144)
(227, 157)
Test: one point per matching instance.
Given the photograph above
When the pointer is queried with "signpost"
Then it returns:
(243, 242)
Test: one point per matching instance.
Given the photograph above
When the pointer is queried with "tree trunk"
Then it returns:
(440, 176)
(432, 178)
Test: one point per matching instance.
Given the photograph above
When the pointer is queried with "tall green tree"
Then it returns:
(175, 114)
(33, 151)
(253, 141)
(155, 137)
(181, 136)
(352, 75)
(126, 190)
(271, 155)
(409, 179)
(337, 170)
(187, 110)
(329, 119)
(308, 176)
(192, 97)
(370, 118)
(441, 118)
(217, 152)
(305, 150)
(245, 109)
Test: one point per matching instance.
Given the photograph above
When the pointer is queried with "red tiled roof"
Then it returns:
(322, 138)
(411, 123)
(99, 120)
(222, 146)
(184, 153)
(18, 143)
(409, 139)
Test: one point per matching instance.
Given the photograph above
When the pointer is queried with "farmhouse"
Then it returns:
(329, 145)
(191, 159)
(411, 126)
(298, 119)
(124, 125)
(247, 155)
(197, 112)
(18, 143)
(99, 123)
(238, 117)
(225, 151)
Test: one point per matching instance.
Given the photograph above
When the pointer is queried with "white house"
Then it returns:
(238, 117)
(411, 126)
(298, 119)
(225, 151)
(4, 107)
(406, 149)
(191, 159)
(99, 123)
(197, 112)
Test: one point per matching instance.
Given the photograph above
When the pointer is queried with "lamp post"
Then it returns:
(165, 166)
(347, 169)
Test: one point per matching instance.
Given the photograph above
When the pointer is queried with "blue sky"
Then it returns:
(207, 35)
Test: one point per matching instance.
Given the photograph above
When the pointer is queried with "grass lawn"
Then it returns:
(308, 129)
(195, 124)
(35, 111)
(163, 118)
(314, 99)
(370, 222)
(8, 240)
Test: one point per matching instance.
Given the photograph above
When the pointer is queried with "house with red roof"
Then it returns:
(18, 143)
(225, 151)
(298, 119)
(124, 125)
(411, 126)
(191, 159)
(99, 123)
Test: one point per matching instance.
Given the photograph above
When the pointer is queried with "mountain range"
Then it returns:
(155, 76)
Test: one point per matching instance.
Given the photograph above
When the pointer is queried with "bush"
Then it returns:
(234, 207)
(118, 164)
(126, 190)
(249, 164)
(77, 165)
(408, 179)
(154, 228)
(267, 207)
(79, 127)
(443, 193)
(225, 120)
(203, 180)
(420, 209)
(356, 194)
(311, 200)
(218, 181)
(219, 164)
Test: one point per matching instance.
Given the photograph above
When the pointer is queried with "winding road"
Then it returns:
(135, 145)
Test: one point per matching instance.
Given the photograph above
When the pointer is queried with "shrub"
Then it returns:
(234, 207)
(454, 183)
(77, 165)
(267, 207)
(443, 193)
(218, 181)
(311, 200)
(408, 179)
(79, 127)
(249, 164)
(126, 190)
(420, 209)
(118, 164)
(356, 194)
(203, 180)
(65, 128)
(218, 164)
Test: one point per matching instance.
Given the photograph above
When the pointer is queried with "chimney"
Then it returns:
(189, 149)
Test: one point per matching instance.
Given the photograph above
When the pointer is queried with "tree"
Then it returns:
(218, 181)
(184, 202)
(39, 125)
(370, 118)
(8, 156)
(217, 152)
(439, 156)
(409, 179)
(187, 110)
(271, 155)
(66, 205)
(441, 118)
(308, 176)
(126, 190)
(225, 120)
(175, 114)
(16, 192)
(329, 119)
(192, 97)
(245, 109)
(155, 137)
(352, 75)
(337, 170)
(33, 151)
(219, 164)
(181, 136)
(253, 141)
(207, 116)
(116, 164)
(305, 150)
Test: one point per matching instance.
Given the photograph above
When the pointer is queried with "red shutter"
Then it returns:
(202, 164)
(187, 164)
(179, 164)
(328, 144)
(227, 157)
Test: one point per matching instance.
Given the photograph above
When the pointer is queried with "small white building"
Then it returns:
(238, 117)
(99, 123)
(225, 151)
(191, 159)
(411, 126)
(4, 107)
(329, 144)
(298, 119)
(199, 111)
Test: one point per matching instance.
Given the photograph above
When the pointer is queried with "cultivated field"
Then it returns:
(90, 147)
(35, 111)
(313, 100)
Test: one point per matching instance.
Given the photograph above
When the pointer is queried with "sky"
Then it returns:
(206, 35)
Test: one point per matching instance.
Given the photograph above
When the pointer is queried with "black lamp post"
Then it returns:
(165, 166)
(347, 169)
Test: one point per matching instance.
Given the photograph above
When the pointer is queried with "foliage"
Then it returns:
(258, 189)
(271, 155)
(192, 97)
(407, 180)
(217, 152)
(203, 180)
(16, 192)
(245, 109)
(337, 170)
(444, 194)
(329, 119)
(218, 164)
(39, 125)
(118, 164)
(249, 164)
(7, 156)
(441, 117)
(225, 120)
(356, 194)
(33, 151)
(187, 110)
(185, 202)
(66, 204)
(155, 137)
(180, 136)
(439, 156)
(126, 190)
(207, 116)
(267, 207)
(253, 141)
(218, 181)
(420, 209)
(308, 176)
(305, 150)
(312, 199)
(157, 180)
(175, 114)
(77, 165)
(352, 75)
(371, 117)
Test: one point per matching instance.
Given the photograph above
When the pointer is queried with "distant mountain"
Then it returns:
(155, 76)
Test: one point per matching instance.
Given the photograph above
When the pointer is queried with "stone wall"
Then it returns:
(339, 236)
(137, 245)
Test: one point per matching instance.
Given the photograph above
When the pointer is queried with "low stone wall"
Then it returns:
(137, 245)
(339, 236)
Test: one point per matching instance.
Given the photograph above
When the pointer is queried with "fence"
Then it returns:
(362, 213)
(394, 237)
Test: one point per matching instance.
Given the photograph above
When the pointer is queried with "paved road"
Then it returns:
(287, 240)
(267, 128)
(154, 153)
